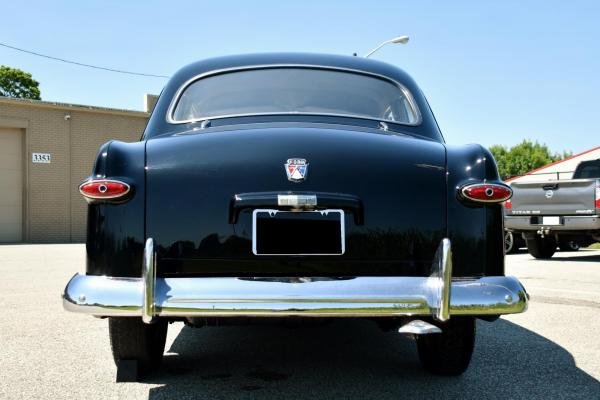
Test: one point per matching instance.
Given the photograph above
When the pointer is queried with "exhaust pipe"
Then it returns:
(418, 327)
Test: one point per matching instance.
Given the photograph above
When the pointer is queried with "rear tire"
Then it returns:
(568, 245)
(509, 242)
(448, 353)
(133, 340)
(542, 248)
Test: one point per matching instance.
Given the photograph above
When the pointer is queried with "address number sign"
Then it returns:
(41, 158)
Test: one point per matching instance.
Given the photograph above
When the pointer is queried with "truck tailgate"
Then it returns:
(566, 197)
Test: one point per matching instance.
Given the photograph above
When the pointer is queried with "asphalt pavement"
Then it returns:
(551, 351)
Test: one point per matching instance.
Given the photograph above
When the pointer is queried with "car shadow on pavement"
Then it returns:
(354, 359)
(576, 257)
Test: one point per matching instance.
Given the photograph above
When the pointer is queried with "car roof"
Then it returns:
(295, 59)
(183, 76)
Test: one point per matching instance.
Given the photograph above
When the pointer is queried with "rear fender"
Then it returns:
(115, 232)
(476, 231)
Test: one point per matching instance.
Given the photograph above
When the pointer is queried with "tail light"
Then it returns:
(486, 192)
(508, 204)
(104, 189)
(597, 202)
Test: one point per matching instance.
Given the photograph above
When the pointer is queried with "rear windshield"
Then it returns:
(586, 170)
(295, 91)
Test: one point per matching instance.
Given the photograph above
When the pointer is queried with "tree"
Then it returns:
(523, 158)
(17, 83)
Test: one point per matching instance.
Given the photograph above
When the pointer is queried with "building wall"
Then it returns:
(53, 209)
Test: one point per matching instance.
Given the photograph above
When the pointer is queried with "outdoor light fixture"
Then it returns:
(396, 40)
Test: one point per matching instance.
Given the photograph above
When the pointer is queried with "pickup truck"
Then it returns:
(556, 212)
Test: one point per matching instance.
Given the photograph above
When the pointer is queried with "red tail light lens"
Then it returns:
(597, 202)
(487, 192)
(104, 189)
(508, 204)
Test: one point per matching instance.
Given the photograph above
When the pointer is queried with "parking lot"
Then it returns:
(552, 351)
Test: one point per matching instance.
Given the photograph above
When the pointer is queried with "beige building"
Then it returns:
(46, 150)
(562, 169)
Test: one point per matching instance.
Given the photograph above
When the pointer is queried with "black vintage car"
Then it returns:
(294, 186)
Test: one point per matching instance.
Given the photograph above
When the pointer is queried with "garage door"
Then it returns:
(11, 185)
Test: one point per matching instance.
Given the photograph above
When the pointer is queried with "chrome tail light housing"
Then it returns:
(486, 192)
(104, 189)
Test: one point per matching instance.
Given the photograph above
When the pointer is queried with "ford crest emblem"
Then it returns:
(296, 169)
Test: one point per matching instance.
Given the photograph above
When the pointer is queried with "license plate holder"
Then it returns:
(298, 233)
(550, 221)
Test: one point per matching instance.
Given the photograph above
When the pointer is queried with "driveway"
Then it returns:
(552, 351)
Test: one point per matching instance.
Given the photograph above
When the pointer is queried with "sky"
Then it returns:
(493, 72)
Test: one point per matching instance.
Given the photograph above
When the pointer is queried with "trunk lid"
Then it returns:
(191, 180)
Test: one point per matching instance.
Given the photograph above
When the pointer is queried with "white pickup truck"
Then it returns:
(548, 213)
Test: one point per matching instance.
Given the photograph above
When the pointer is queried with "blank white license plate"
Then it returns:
(550, 220)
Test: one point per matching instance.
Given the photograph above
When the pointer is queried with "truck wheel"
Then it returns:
(540, 247)
(133, 340)
(509, 242)
(449, 352)
(568, 245)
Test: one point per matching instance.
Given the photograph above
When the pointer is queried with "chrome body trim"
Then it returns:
(149, 282)
(441, 280)
(297, 200)
(278, 297)
(176, 97)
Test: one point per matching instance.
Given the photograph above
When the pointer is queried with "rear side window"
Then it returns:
(587, 170)
(297, 91)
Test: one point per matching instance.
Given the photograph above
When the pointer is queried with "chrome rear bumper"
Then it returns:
(437, 295)
(353, 297)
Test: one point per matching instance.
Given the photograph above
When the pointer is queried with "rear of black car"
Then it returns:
(294, 186)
